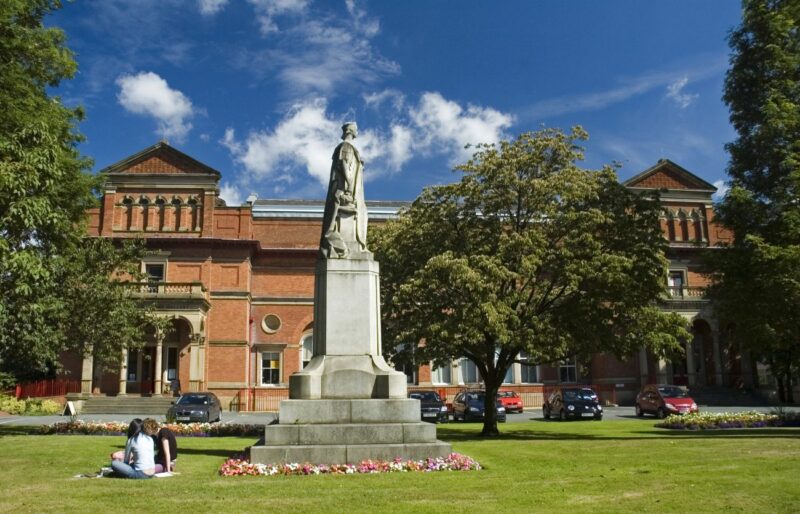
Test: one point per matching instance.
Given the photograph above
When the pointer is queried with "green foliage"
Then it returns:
(527, 253)
(31, 406)
(756, 279)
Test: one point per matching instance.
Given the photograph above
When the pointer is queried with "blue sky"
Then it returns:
(259, 88)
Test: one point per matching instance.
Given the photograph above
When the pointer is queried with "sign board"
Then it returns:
(69, 409)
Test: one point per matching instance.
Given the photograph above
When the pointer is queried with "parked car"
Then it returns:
(511, 401)
(470, 406)
(572, 403)
(663, 400)
(200, 407)
(432, 408)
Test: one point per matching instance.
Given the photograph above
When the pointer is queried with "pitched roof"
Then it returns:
(665, 174)
(161, 159)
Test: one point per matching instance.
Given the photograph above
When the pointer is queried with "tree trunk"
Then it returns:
(789, 388)
(779, 380)
(490, 409)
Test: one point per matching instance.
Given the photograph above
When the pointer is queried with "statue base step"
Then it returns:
(347, 432)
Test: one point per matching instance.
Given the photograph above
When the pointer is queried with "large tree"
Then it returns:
(45, 190)
(757, 280)
(529, 253)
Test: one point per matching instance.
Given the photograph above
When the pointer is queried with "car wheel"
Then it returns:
(599, 418)
(545, 413)
(208, 417)
(562, 416)
(639, 411)
(661, 413)
(219, 417)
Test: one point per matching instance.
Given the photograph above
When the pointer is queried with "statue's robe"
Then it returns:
(345, 195)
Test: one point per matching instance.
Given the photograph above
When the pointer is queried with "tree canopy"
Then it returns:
(757, 278)
(529, 253)
(49, 275)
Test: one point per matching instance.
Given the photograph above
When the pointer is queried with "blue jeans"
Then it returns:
(127, 471)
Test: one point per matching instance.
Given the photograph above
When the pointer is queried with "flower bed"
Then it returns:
(709, 421)
(238, 466)
(187, 429)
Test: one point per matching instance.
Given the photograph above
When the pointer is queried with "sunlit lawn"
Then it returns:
(609, 466)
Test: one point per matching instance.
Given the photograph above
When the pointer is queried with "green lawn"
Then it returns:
(610, 466)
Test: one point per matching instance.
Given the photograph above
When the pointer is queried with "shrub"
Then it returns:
(11, 405)
(711, 421)
(187, 429)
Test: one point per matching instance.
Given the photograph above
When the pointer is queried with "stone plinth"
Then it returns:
(348, 431)
(347, 360)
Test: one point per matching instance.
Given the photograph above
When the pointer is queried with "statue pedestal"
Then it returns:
(348, 404)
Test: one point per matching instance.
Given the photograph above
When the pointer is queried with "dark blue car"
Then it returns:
(470, 405)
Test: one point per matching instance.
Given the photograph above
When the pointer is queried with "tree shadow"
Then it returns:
(538, 435)
(9, 430)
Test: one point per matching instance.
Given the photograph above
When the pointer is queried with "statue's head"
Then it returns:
(350, 128)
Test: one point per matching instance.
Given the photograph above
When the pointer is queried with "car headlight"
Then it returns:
(570, 407)
(444, 408)
(599, 407)
(670, 406)
(501, 409)
(474, 409)
(694, 406)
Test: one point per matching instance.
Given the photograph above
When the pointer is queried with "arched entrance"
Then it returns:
(175, 357)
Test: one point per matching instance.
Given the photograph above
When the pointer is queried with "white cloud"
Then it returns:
(211, 7)
(319, 54)
(306, 136)
(722, 190)
(231, 194)
(442, 124)
(148, 94)
(391, 96)
(674, 93)
(630, 87)
(268, 10)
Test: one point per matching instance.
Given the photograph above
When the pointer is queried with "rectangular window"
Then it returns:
(155, 274)
(676, 281)
(172, 363)
(469, 372)
(441, 375)
(567, 371)
(270, 368)
(528, 370)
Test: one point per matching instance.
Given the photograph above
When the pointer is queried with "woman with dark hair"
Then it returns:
(138, 459)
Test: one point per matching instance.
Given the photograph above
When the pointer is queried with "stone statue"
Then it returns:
(344, 224)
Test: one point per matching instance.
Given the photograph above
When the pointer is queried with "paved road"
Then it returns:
(611, 414)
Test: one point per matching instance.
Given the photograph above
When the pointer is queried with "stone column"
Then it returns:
(195, 373)
(87, 374)
(158, 387)
(516, 373)
(152, 217)
(690, 371)
(185, 221)
(661, 374)
(123, 374)
(717, 358)
(643, 371)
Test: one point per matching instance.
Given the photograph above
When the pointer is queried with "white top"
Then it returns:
(143, 452)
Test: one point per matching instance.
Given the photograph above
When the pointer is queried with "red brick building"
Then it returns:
(238, 281)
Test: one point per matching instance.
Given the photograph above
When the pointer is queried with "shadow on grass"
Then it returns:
(9, 430)
(216, 452)
(450, 435)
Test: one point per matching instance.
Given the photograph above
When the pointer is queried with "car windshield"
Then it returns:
(579, 394)
(193, 399)
(475, 397)
(507, 394)
(672, 392)
(426, 396)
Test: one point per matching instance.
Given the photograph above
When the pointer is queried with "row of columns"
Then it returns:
(196, 351)
(158, 217)
(662, 366)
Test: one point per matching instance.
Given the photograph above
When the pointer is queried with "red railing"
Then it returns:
(42, 388)
(259, 400)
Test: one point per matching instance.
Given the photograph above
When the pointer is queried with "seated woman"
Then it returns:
(166, 446)
(138, 461)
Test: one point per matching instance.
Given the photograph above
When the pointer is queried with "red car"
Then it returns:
(510, 400)
(663, 400)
